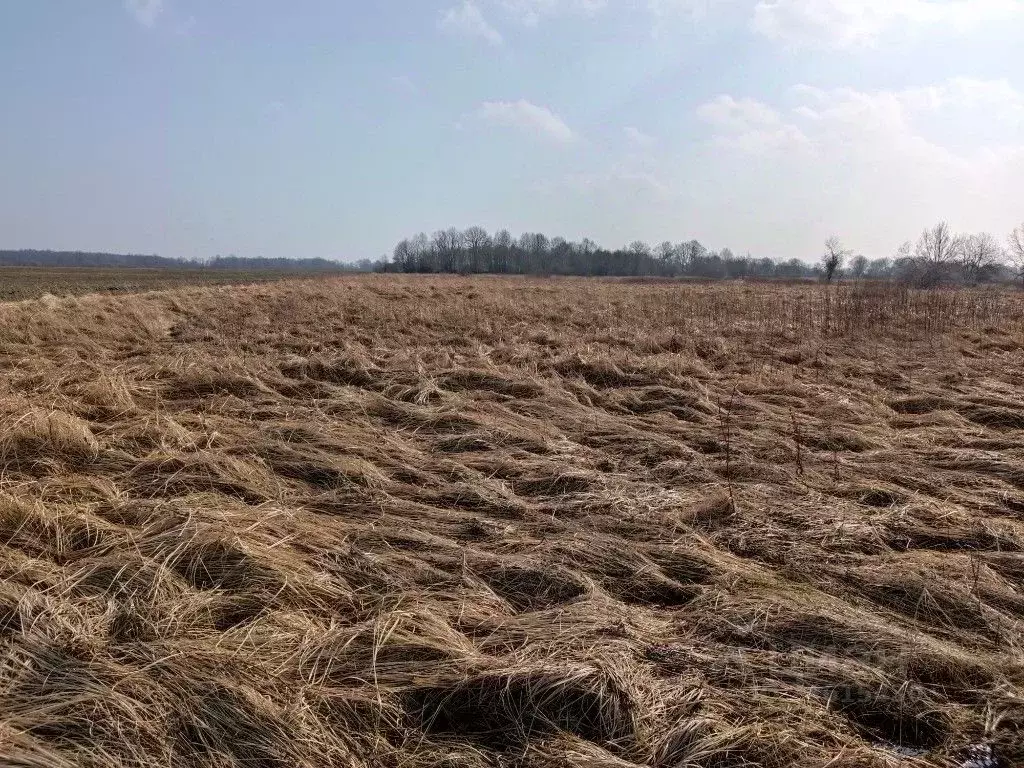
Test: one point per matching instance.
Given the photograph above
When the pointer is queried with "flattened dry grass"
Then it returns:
(422, 521)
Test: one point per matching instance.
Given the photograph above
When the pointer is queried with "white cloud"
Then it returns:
(738, 114)
(467, 20)
(527, 117)
(146, 12)
(749, 124)
(814, 23)
(694, 9)
(638, 138)
(849, 23)
(873, 163)
(530, 12)
(849, 118)
(968, 93)
(925, 112)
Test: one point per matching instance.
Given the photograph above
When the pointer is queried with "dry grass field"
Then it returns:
(19, 283)
(430, 521)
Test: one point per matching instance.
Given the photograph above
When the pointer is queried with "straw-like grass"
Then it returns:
(421, 521)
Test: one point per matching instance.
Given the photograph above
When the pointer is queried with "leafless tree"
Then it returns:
(563, 254)
(639, 247)
(936, 245)
(880, 268)
(936, 250)
(1016, 251)
(477, 241)
(833, 258)
(536, 246)
(690, 252)
(979, 255)
(404, 257)
(475, 238)
(858, 266)
(502, 247)
(640, 253)
(665, 252)
(420, 248)
(447, 244)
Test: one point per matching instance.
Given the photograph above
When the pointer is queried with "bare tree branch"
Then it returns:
(834, 257)
(1016, 250)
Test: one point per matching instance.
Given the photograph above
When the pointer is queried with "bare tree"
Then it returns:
(502, 250)
(978, 256)
(936, 250)
(535, 245)
(1016, 251)
(639, 252)
(447, 244)
(420, 252)
(880, 267)
(691, 252)
(477, 242)
(833, 258)
(560, 254)
(858, 266)
(665, 252)
(404, 258)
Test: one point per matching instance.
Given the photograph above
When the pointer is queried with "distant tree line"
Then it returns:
(939, 257)
(474, 250)
(34, 258)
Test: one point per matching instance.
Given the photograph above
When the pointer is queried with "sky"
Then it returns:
(333, 128)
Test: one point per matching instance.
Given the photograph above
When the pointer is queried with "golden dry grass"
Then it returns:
(390, 521)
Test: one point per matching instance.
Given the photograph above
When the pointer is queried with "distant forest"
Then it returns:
(474, 250)
(33, 258)
(939, 256)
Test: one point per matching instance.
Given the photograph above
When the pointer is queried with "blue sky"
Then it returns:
(334, 128)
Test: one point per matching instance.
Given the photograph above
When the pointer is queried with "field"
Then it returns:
(19, 283)
(439, 521)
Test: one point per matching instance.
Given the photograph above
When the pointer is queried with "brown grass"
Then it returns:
(416, 521)
(20, 283)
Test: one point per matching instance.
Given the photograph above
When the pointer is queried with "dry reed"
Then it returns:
(422, 521)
